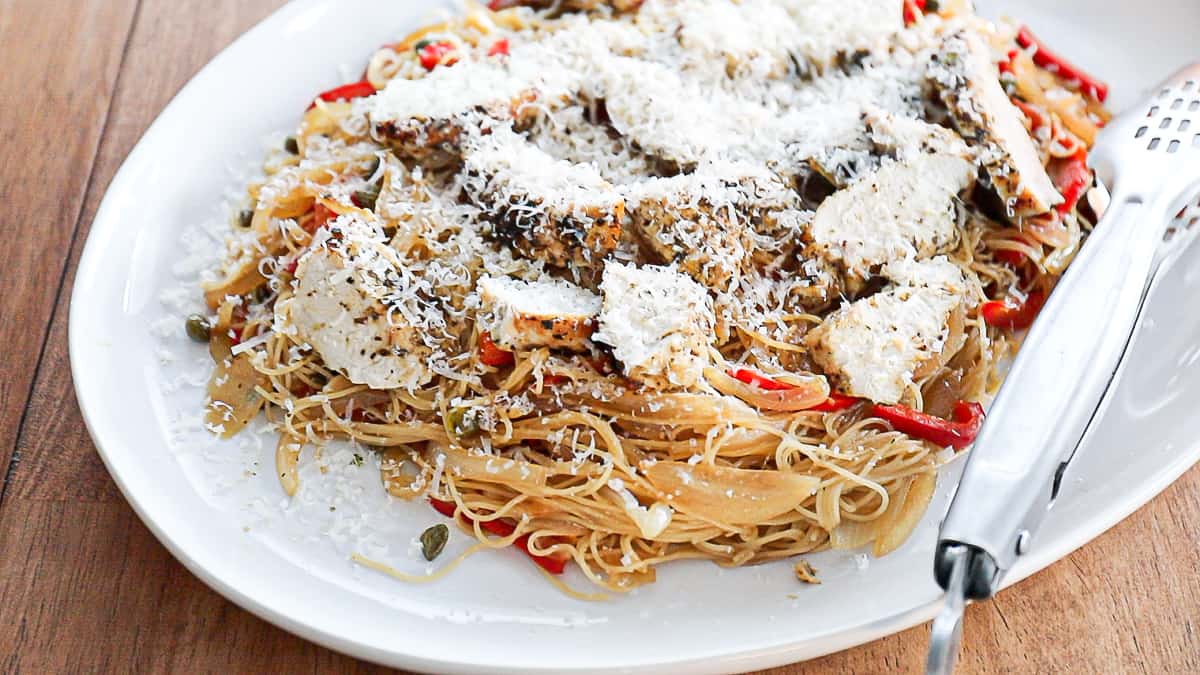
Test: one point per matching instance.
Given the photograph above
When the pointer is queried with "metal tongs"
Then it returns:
(1060, 381)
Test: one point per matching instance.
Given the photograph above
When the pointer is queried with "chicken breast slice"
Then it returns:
(876, 347)
(694, 221)
(830, 28)
(906, 137)
(968, 83)
(544, 208)
(432, 116)
(658, 322)
(905, 209)
(353, 302)
(548, 313)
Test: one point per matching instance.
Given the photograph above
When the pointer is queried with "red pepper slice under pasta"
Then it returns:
(345, 92)
(500, 528)
(1052, 62)
(491, 354)
(957, 432)
(1005, 314)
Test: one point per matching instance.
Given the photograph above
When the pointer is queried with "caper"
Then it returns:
(262, 293)
(372, 167)
(421, 44)
(433, 540)
(461, 422)
(198, 328)
(932, 6)
(365, 198)
(291, 145)
(244, 218)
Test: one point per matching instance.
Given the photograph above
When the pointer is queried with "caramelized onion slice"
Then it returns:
(287, 459)
(908, 503)
(806, 392)
(233, 401)
(903, 514)
(726, 494)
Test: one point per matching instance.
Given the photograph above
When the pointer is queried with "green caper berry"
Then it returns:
(365, 199)
(291, 145)
(244, 218)
(460, 423)
(262, 293)
(372, 167)
(421, 44)
(198, 328)
(433, 540)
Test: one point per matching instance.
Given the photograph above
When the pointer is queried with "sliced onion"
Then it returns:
(806, 392)
(287, 457)
(851, 534)
(903, 513)
(233, 400)
(907, 504)
(726, 494)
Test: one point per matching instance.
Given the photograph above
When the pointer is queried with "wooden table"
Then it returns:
(85, 587)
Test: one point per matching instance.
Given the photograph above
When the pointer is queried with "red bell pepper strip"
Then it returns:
(758, 380)
(958, 432)
(500, 48)
(1072, 177)
(1035, 117)
(1010, 257)
(1003, 314)
(1006, 66)
(1048, 60)
(913, 9)
(345, 93)
(500, 528)
(835, 403)
(432, 53)
(493, 355)
(321, 215)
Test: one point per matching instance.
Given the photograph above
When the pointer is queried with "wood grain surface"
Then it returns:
(84, 586)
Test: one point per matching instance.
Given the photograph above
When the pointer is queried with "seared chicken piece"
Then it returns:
(968, 83)
(905, 209)
(527, 314)
(832, 28)
(907, 137)
(692, 220)
(546, 209)
(876, 347)
(431, 117)
(658, 322)
(353, 304)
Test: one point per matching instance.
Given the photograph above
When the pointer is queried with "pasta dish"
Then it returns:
(621, 283)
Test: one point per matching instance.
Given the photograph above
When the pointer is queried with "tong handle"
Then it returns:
(1056, 384)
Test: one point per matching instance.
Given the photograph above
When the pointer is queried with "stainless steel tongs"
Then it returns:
(1150, 159)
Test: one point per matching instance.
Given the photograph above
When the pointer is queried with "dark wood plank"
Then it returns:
(1127, 602)
(60, 65)
(85, 587)
(73, 601)
(171, 41)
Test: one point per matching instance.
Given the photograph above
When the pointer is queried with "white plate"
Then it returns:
(218, 510)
